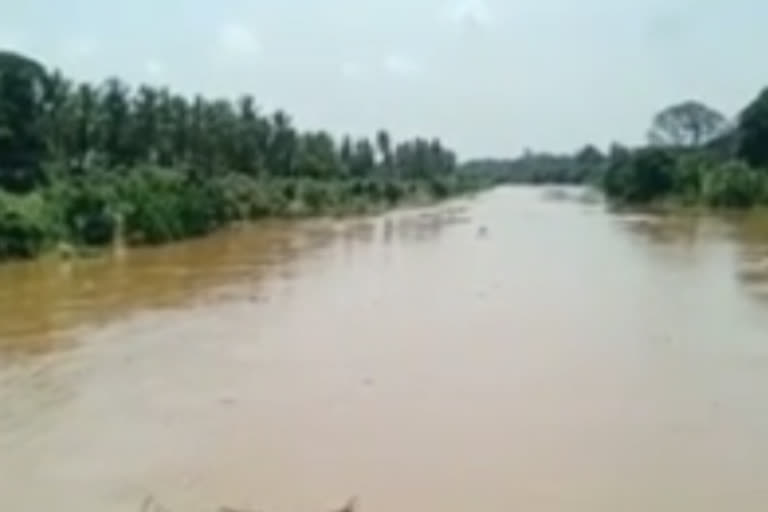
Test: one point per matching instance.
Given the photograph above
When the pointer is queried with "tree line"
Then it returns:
(86, 163)
(694, 155)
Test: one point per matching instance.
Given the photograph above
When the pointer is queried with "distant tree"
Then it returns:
(283, 144)
(589, 155)
(160, 166)
(345, 153)
(253, 137)
(317, 156)
(753, 131)
(363, 158)
(58, 116)
(48, 121)
(114, 130)
(646, 175)
(85, 134)
(618, 151)
(687, 124)
(384, 143)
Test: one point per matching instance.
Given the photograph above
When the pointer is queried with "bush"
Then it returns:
(646, 175)
(160, 206)
(394, 192)
(238, 197)
(26, 226)
(316, 196)
(734, 185)
(83, 209)
(438, 188)
(155, 205)
(22, 178)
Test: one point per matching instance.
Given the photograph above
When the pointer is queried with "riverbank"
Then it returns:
(84, 165)
(659, 176)
(154, 206)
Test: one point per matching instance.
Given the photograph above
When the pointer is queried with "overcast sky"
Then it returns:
(488, 76)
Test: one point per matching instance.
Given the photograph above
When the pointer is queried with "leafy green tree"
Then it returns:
(733, 185)
(345, 154)
(647, 175)
(58, 117)
(317, 156)
(753, 131)
(23, 90)
(589, 156)
(282, 146)
(687, 124)
(145, 124)
(363, 158)
(114, 124)
(179, 130)
(253, 138)
(85, 135)
(160, 166)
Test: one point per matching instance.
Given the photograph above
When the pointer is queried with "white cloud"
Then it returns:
(237, 38)
(473, 13)
(401, 65)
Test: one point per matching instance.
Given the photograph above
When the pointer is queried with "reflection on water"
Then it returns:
(677, 230)
(751, 233)
(520, 350)
(742, 236)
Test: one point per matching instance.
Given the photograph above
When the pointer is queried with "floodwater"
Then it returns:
(521, 350)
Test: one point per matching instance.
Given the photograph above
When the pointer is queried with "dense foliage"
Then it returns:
(538, 168)
(694, 156)
(84, 164)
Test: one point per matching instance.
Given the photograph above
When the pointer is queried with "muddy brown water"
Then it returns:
(561, 359)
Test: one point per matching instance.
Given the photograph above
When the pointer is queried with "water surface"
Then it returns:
(561, 359)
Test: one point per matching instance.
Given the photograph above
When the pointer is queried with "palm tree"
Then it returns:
(114, 127)
(86, 135)
(384, 142)
(282, 147)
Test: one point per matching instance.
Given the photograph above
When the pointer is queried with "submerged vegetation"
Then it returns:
(84, 165)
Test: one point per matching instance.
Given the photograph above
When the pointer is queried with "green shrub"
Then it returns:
(438, 189)
(26, 225)
(154, 205)
(84, 210)
(316, 196)
(646, 175)
(734, 185)
(394, 192)
(160, 206)
(239, 197)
